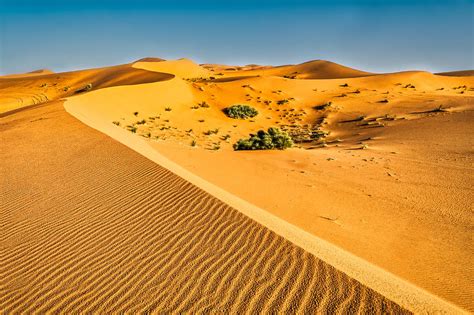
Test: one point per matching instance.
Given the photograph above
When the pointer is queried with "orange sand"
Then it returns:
(391, 183)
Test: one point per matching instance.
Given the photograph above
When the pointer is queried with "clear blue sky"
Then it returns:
(373, 35)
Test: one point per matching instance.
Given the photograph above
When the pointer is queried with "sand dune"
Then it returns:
(333, 200)
(91, 226)
(374, 185)
(28, 74)
(25, 90)
(316, 69)
(462, 73)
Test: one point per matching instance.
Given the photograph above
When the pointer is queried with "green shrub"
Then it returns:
(274, 138)
(240, 111)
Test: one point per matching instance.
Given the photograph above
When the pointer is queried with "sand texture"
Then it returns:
(378, 186)
(88, 225)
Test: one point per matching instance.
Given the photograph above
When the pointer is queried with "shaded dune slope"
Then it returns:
(89, 225)
(315, 69)
(460, 73)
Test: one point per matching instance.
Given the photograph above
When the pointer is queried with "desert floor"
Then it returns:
(92, 225)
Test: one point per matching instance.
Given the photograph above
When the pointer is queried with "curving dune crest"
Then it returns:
(100, 228)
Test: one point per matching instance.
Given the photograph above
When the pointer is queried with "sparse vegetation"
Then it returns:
(282, 102)
(135, 113)
(211, 132)
(323, 106)
(117, 123)
(86, 88)
(193, 143)
(204, 105)
(168, 109)
(240, 111)
(274, 138)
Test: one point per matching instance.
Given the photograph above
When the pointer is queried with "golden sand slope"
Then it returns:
(376, 186)
(18, 91)
(90, 226)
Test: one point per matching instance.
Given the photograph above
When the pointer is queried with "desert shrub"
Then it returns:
(274, 138)
(117, 123)
(168, 109)
(211, 132)
(86, 88)
(282, 102)
(240, 111)
(323, 106)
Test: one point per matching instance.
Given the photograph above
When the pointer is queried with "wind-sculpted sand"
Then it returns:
(378, 185)
(89, 225)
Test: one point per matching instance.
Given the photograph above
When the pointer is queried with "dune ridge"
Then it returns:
(100, 228)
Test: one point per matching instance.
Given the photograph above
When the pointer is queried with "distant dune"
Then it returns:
(462, 73)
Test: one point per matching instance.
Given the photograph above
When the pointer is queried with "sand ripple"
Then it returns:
(88, 225)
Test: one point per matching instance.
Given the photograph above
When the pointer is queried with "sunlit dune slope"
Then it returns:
(24, 90)
(183, 68)
(362, 177)
(28, 74)
(90, 226)
(381, 165)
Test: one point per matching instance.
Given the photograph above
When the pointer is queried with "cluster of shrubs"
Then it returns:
(240, 111)
(274, 138)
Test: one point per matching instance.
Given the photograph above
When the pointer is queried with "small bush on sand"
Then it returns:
(323, 106)
(211, 132)
(168, 109)
(117, 123)
(282, 102)
(240, 111)
(274, 138)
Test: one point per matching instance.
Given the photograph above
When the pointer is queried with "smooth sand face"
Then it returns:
(88, 225)
(391, 183)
